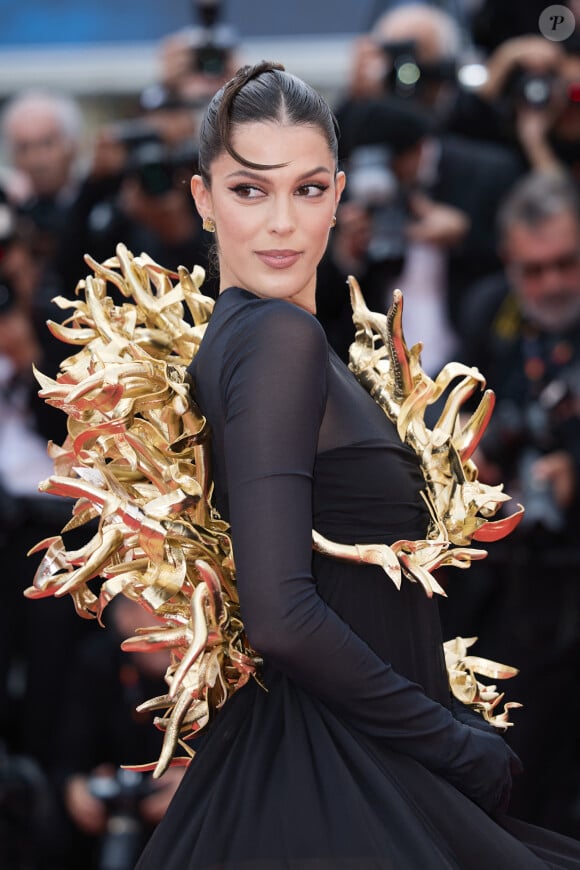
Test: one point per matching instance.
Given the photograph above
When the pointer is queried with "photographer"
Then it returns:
(42, 133)
(419, 214)
(113, 810)
(197, 61)
(522, 330)
(135, 191)
(530, 101)
(31, 663)
(528, 334)
(411, 52)
(136, 188)
(420, 203)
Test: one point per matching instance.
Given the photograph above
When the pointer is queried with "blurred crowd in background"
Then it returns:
(463, 189)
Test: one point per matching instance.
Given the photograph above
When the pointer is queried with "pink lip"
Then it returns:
(278, 259)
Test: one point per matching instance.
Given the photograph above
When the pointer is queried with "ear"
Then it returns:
(339, 183)
(201, 196)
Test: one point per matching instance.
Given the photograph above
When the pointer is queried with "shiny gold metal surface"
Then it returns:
(459, 505)
(137, 459)
(465, 686)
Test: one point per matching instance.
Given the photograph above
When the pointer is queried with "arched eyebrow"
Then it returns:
(255, 176)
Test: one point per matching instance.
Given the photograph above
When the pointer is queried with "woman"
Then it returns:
(352, 757)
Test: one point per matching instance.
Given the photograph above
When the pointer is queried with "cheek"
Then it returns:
(232, 231)
(321, 237)
(532, 290)
(317, 226)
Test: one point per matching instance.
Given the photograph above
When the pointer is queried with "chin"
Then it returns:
(551, 319)
(282, 288)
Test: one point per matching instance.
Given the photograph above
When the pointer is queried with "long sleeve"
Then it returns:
(274, 393)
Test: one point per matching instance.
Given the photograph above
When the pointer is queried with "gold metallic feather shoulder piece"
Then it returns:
(136, 460)
(460, 506)
(136, 465)
(484, 699)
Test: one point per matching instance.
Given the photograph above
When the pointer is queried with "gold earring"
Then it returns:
(209, 225)
(333, 222)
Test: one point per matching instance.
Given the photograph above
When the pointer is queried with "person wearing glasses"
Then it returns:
(522, 329)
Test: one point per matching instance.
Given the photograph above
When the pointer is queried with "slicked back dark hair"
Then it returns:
(264, 92)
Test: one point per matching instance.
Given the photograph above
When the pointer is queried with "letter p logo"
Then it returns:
(557, 23)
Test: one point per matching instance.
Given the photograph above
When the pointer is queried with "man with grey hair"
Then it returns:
(522, 330)
(41, 136)
(539, 228)
(538, 291)
(411, 51)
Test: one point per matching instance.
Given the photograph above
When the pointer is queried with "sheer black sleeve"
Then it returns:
(274, 392)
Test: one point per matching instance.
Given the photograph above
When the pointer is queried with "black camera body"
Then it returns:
(406, 76)
(212, 42)
(160, 169)
(7, 235)
(123, 840)
(528, 88)
(541, 510)
(519, 435)
(7, 294)
(210, 59)
(374, 187)
(157, 166)
(134, 132)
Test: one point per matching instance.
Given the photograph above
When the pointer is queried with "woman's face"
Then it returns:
(272, 225)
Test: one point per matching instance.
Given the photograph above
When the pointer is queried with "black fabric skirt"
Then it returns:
(281, 783)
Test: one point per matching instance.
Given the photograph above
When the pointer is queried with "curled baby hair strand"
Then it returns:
(230, 92)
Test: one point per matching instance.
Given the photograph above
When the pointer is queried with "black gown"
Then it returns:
(353, 757)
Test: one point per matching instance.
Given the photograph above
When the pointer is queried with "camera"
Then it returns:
(7, 234)
(529, 88)
(374, 186)
(7, 294)
(123, 839)
(211, 43)
(209, 59)
(159, 168)
(134, 133)
(519, 435)
(406, 76)
(385, 130)
(541, 509)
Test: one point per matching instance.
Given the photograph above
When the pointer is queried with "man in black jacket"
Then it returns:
(419, 214)
(522, 330)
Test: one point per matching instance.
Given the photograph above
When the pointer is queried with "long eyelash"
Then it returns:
(240, 187)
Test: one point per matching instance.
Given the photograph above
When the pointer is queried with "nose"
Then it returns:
(553, 280)
(281, 219)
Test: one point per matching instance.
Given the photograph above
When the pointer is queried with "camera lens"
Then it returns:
(408, 74)
(536, 91)
(6, 296)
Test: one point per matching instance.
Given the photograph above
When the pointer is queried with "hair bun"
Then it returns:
(244, 75)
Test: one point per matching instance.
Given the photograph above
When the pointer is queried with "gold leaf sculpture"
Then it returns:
(459, 505)
(465, 686)
(137, 459)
